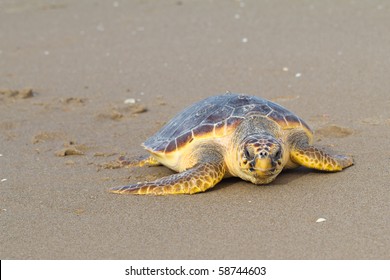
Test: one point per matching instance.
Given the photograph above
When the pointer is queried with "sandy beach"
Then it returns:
(67, 67)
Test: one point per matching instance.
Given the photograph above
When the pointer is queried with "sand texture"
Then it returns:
(85, 82)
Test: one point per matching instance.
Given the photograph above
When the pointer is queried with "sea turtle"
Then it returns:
(229, 135)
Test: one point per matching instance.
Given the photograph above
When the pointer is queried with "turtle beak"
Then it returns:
(262, 166)
(263, 163)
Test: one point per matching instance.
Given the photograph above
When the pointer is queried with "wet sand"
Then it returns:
(326, 61)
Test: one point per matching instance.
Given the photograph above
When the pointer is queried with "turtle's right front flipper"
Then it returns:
(199, 178)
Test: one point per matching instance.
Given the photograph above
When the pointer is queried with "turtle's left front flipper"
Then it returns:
(199, 178)
(313, 157)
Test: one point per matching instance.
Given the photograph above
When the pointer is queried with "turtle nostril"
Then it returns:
(263, 154)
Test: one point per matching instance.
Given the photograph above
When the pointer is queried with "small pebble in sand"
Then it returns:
(244, 40)
(297, 75)
(129, 101)
(320, 220)
(1, 155)
(285, 69)
(3, 180)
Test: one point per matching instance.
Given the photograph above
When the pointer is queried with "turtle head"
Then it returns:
(261, 158)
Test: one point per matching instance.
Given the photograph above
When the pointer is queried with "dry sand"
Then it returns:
(328, 61)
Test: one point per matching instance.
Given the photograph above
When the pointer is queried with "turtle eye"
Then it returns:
(247, 153)
(278, 154)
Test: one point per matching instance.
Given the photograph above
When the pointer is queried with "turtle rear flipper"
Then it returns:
(316, 158)
(201, 177)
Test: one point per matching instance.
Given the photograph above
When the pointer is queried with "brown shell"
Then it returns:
(217, 116)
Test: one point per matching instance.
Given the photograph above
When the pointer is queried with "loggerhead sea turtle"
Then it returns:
(229, 135)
